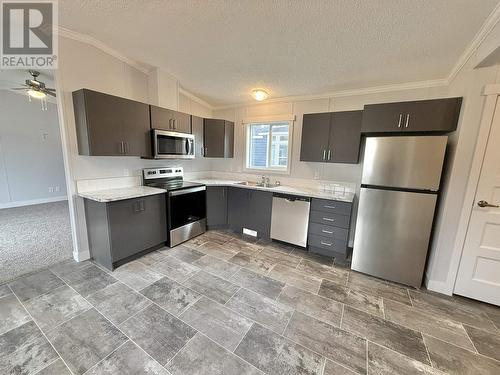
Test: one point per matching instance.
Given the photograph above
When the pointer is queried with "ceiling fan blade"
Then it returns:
(47, 89)
(50, 93)
(17, 88)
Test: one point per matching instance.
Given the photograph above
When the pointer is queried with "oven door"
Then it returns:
(172, 145)
(186, 206)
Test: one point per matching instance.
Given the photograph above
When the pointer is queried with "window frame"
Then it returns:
(268, 170)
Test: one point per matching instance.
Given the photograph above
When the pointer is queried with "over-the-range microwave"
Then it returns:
(172, 145)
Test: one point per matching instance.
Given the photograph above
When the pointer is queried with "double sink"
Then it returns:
(257, 184)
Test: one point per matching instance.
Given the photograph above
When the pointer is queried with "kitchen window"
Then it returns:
(268, 146)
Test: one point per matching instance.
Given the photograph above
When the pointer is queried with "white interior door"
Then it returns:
(479, 272)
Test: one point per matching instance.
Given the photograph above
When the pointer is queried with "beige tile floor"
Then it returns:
(219, 304)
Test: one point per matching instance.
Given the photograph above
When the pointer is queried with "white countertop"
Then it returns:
(294, 190)
(110, 195)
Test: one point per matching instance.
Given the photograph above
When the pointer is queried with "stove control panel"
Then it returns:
(152, 173)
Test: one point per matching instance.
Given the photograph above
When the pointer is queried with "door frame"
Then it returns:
(492, 93)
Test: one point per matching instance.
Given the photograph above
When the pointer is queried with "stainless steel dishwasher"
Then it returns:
(290, 219)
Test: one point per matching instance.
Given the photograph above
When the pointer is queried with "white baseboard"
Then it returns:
(33, 201)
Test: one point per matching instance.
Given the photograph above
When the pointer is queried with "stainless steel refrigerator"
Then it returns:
(399, 190)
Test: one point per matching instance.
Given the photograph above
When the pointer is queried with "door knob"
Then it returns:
(485, 204)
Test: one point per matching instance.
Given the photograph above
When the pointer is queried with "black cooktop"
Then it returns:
(174, 185)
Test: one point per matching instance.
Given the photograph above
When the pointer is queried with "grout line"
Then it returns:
(289, 320)
(342, 316)
(409, 296)
(135, 314)
(43, 333)
(188, 306)
(48, 365)
(426, 349)
(243, 336)
(322, 372)
(182, 347)
(367, 362)
(105, 357)
(467, 334)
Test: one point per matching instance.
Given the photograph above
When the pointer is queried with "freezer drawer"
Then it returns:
(404, 162)
(392, 234)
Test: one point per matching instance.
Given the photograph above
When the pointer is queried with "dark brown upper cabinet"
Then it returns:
(218, 138)
(436, 115)
(108, 125)
(331, 137)
(167, 119)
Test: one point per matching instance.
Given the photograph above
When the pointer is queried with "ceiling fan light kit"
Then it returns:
(36, 89)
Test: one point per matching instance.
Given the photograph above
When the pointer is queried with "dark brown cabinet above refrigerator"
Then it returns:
(167, 119)
(218, 138)
(331, 137)
(436, 115)
(108, 125)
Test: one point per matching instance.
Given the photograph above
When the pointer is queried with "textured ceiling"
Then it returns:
(221, 49)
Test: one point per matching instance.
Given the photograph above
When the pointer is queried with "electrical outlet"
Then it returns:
(51, 189)
(58, 189)
(45, 136)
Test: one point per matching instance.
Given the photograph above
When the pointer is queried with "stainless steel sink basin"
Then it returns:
(258, 184)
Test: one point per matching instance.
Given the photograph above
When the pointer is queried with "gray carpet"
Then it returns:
(33, 237)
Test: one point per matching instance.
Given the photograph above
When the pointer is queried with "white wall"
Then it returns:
(82, 65)
(31, 158)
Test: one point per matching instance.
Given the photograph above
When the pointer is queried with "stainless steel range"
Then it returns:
(186, 203)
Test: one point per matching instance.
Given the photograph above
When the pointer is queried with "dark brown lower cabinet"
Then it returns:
(120, 230)
(216, 207)
(250, 209)
(329, 225)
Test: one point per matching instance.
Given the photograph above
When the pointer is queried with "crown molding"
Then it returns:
(194, 98)
(345, 93)
(480, 36)
(70, 34)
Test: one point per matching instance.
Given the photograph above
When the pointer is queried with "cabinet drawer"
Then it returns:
(329, 231)
(326, 205)
(331, 244)
(326, 218)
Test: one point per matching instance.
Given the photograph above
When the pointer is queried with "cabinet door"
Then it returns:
(136, 225)
(345, 137)
(237, 208)
(315, 133)
(259, 213)
(228, 139)
(213, 135)
(216, 206)
(384, 118)
(99, 123)
(182, 122)
(136, 128)
(197, 128)
(162, 118)
(439, 115)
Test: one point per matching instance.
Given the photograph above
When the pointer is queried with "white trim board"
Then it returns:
(32, 202)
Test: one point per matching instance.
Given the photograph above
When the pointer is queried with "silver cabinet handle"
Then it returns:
(407, 120)
(333, 207)
(328, 219)
(326, 243)
(201, 151)
(170, 123)
(175, 124)
(326, 231)
(400, 119)
(120, 149)
(125, 147)
(324, 154)
(329, 154)
(486, 204)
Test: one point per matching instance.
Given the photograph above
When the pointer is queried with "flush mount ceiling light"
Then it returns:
(260, 94)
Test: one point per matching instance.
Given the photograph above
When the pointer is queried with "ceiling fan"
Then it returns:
(36, 89)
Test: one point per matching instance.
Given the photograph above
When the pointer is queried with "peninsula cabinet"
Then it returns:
(107, 125)
(331, 137)
(167, 119)
(437, 115)
(218, 138)
(121, 230)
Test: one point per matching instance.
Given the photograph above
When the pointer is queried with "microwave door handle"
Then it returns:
(188, 147)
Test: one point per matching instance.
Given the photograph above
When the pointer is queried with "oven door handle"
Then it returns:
(186, 191)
